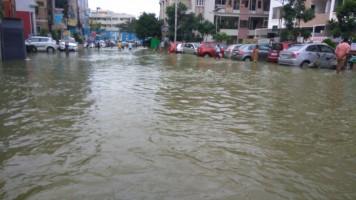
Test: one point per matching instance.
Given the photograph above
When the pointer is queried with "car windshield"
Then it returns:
(295, 47)
(277, 46)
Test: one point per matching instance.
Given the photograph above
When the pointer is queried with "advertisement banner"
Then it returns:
(58, 19)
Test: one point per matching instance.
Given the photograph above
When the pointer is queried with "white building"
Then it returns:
(109, 20)
(324, 11)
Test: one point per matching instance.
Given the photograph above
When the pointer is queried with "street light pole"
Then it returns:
(175, 21)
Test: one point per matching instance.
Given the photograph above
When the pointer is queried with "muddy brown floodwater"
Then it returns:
(110, 125)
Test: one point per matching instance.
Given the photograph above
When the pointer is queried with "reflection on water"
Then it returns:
(120, 125)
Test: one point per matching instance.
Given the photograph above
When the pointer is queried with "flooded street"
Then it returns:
(110, 125)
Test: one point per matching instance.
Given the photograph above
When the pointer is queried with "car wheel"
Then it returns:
(33, 49)
(50, 50)
(305, 64)
(248, 59)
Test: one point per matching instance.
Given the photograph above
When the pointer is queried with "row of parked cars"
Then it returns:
(48, 44)
(304, 55)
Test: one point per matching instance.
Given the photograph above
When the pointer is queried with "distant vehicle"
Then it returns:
(179, 48)
(190, 48)
(231, 49)
(308, 55)
(72, 44)
(39, 43)
(207, 49)
(244, 52)
(273, 53)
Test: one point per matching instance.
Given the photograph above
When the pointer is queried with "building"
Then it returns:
(26, 10)
(324, 11)
(109, 22)
(42, 23)
(9, 8)
(237, 18)
(83, 13)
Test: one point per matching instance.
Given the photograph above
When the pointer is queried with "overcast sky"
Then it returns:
(134, 7)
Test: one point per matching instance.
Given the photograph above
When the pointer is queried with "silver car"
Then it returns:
(244, 53)
(308, 55)
(230, 50)
(190, 48)
(39, 43)
(72, 44)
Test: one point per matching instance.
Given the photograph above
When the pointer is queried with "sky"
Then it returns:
(134, 7)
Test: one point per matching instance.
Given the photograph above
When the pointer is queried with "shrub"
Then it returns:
(329, 42)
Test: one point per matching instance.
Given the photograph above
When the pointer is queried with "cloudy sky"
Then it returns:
(134, 7)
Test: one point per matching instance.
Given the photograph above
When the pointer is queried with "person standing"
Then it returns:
(217, 51)
(342, 50)
(255, 53)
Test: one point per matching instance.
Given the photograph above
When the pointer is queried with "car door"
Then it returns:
(312, 54)
(42, 44)
(190, 48)
(327, 57)
(263, 52)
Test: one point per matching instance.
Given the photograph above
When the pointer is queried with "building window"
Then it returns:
(225, 22)
(253, 5)
(246, 3)
(220, 2)
(266, 5)
(236, 5)
(243, 23)
(200, 2)
(276, 13)
(259, 4)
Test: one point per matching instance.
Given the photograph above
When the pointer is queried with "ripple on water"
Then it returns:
(143, 125)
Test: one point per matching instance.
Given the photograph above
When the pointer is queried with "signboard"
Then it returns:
(58, 18)
(353, 46)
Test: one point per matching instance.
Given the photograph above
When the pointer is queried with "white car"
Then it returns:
(179, 48)
(39, 43)
(72, 45)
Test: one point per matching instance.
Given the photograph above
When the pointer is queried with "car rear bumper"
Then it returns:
(292, 62)
(272, 59)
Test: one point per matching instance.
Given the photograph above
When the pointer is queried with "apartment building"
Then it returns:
(237, 18)
(324, 11)
(109, 20)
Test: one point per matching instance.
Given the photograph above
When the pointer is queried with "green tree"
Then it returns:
(221, 37)
(186, 24)
(294, 12)
(129, 26)
(95, 26)
(148, 25)
(345, 26)
(206, 28)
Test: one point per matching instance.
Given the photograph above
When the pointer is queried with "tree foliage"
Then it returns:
(221, 37)
(129, 26)
(186, 24)
(148, 26)
(294, 12)
(345, 26)
(95, 26)
(206, 28)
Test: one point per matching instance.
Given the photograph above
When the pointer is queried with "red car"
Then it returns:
(273, 54)
(208, 49)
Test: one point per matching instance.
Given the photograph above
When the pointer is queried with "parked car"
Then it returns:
(72, 44)
(179, 48)
(39, 43)
(231, 49)
(308, 55)
(207, 49)
(244, 52)
(190, 48)
(277, 47)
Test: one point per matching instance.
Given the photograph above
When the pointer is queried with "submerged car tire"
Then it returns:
(50, 50)
(206, 55)
(305, 64)
(248, 59)
(33, 49)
